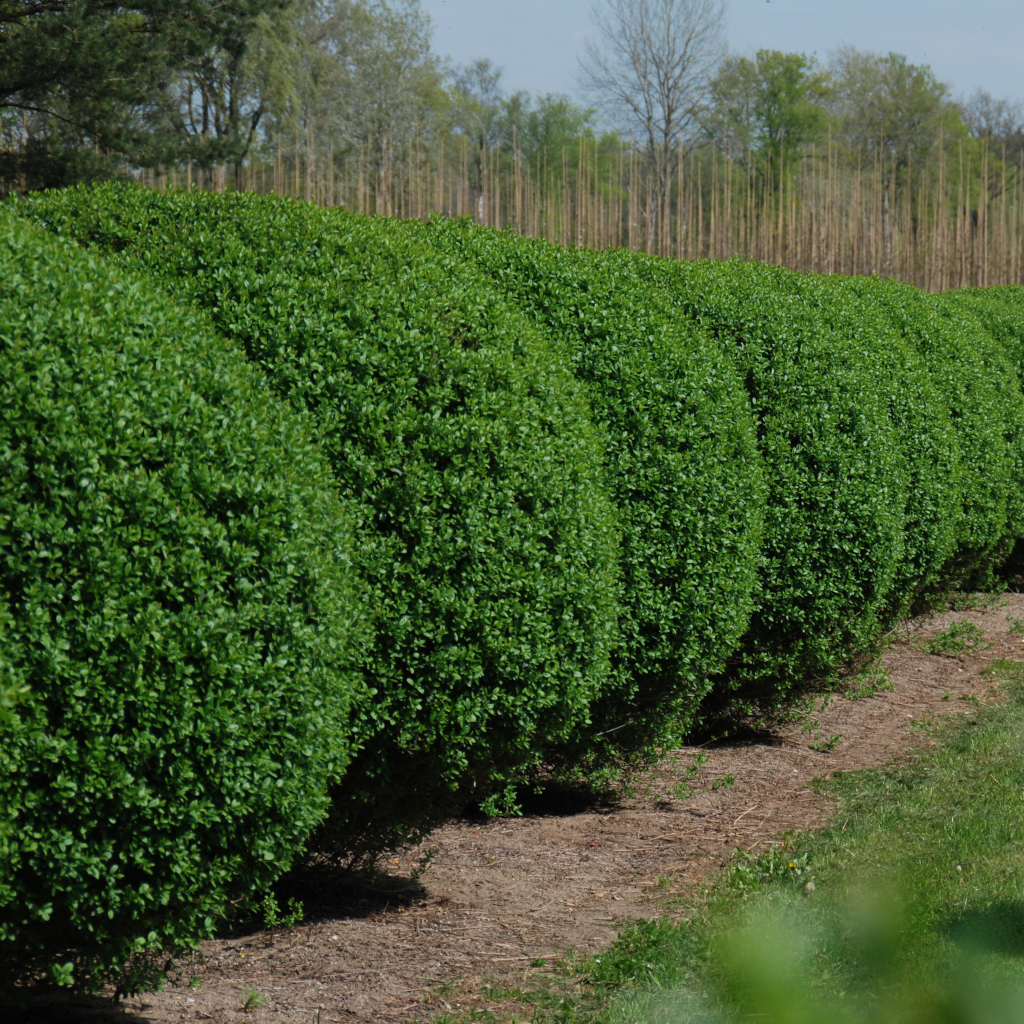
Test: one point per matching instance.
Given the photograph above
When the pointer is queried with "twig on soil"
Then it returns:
(745, 813)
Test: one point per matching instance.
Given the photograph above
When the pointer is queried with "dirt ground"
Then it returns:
(500, 895)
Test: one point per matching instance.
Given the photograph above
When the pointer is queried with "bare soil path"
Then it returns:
(500, 895)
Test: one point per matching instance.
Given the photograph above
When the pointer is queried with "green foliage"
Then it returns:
(833, 570)
(682, 465)
(770, 105)
(1006, 395)
(978, 601)
(961, 637)
(85, 107)
(465, 450)
(980, 389)
(634, 957)
(978, 379)
(684, 789)
(777, 865)
(825, 746)
(1000, 312)
(882, 103)
(273, 916)
(599, 498)
(176, 621)
(924, 429)
(253, 1001)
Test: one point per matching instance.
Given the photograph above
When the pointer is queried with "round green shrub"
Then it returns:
(682, 462)
(924, 429)
(837, 477)
(999, 312)
(467, 453)
(176, 621)
(979, 388)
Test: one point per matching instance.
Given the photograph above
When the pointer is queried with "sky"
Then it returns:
(970, 44)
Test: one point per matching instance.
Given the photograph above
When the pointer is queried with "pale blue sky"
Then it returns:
(968, 44)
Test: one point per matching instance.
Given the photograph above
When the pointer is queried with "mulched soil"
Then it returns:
(500, 895)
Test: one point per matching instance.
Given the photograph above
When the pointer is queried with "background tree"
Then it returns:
(477, 101)
(889, 108)
(768, 106)
(543, 127)
(81, 81)
(999, 121)
(360, 77)
(650, 69)
(211, 110)
(997, 125)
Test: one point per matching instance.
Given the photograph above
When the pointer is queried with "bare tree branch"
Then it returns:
(651, 65)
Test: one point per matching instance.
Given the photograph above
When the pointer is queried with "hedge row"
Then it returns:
(177, 618)
(466, 455)
(550, 511)
(837, 483)
(682, 463)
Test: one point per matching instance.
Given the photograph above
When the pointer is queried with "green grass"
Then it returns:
(253, 1001)
(961, 637)
(908, 907)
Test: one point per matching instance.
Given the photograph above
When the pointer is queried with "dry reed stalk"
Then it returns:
(921, 222)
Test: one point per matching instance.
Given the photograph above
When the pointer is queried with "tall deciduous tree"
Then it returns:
(887, 106)
(477, 105)
(649, 67)
(210, 110)
(359, 76)
(81, 81)
(543, 126)
(998, 122)
(768, 107)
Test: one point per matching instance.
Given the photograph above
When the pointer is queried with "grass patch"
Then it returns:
(252, 1001)
(962, 637)
(908, 907)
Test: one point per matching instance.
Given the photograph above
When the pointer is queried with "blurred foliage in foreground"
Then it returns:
(908, 908)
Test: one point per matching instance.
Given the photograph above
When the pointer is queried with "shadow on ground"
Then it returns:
(49, 1007)
(564, 800)
(995, 929)
(328, 892)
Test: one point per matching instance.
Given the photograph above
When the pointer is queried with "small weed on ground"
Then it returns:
(274, 918)
(962, 637)
(252, 1001)
(684, 790)
(873, 679)
(825, 746)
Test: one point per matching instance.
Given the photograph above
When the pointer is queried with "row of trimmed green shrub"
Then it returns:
(178, 622)
(315, 528)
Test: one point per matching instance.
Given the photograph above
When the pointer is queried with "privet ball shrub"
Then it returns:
(979, 387)
(837, 478)
(177, 621)
(1000, 312)
(463, 445)
(924, 431)
(682, 462)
